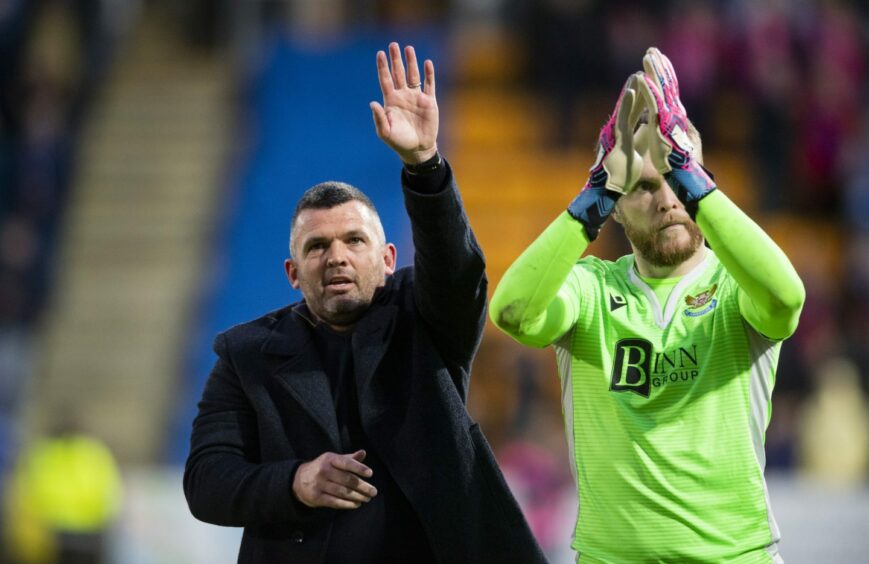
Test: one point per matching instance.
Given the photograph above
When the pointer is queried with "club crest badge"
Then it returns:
(702, 303)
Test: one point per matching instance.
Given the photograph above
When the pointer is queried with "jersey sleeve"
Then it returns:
(537, 300)
(770, 293)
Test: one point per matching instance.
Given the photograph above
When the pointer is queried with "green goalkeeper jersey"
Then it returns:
(666, 386)
(665, 406)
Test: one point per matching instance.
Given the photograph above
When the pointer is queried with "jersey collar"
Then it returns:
(663, 317)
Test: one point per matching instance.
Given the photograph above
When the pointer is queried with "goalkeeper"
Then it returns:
(667, 356)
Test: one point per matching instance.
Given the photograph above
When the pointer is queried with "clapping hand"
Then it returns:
(670, 147)
(618, 164)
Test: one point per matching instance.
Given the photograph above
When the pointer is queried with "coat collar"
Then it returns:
(302, 373)
(289, 330)
(371, 338)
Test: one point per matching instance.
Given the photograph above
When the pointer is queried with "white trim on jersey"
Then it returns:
(662, 319)
(564, 360)
(764, 357)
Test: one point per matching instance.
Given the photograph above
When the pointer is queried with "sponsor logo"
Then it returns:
(631, 367)
(702, 303)
(638, 368)
(616, 302)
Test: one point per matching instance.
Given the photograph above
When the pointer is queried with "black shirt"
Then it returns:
(386, 529)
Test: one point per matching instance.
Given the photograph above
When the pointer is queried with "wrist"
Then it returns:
(691, 183)
(420, 156)
(433, 163)
(296, 486)
(592, 207)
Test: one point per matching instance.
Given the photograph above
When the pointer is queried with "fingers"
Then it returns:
(383, 76)
(660, 67)
(353, 463)
(669, 72)
(650, 137)
(648, 89)
(651, 99)
(392, 75)
(327, 500)
(632, 113)
(333, 480)
(429, 77)
(639, 103)
(625, 104)
(343, 478)
(674, 81)
(626, 107)
(671, 89)
(649, 67)
(350, 488)
(381, 122)
(658, 81)
(654, 56)
(607, 133)
(413, 79)
(398, 77)
(625, 164)
(340, 490)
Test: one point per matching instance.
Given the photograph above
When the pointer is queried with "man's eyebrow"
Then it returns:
(312, 241)
(307, 243)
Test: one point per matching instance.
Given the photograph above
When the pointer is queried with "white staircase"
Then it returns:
(133, 249)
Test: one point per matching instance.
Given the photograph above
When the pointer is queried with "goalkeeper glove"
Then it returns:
(617, 167)
(670, 148)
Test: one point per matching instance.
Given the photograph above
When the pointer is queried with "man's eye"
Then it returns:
(356, 240)
(645, 186)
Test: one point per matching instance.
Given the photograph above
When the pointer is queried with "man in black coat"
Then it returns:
(335, 429)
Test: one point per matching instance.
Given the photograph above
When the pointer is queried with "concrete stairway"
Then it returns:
(133, 247)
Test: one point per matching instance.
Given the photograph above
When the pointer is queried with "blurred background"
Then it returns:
(151, 153)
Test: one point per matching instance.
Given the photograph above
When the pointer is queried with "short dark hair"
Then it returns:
(327, 195)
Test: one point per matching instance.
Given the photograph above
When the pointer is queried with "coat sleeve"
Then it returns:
(449, 268)
(224, 482)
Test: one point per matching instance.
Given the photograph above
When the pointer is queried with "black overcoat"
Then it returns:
(267, 407)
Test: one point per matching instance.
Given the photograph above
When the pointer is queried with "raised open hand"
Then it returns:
(408, 119)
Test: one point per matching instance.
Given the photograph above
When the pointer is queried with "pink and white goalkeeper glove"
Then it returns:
(618, 164)
(672, 151)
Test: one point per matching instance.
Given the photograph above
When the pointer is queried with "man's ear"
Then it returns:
(389, 256)
(292, 273)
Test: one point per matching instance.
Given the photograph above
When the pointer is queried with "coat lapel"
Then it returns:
(370, 340)
(302, 374)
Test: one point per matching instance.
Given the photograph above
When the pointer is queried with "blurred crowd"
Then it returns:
(797, 70)
(41, 88)
(51, 54)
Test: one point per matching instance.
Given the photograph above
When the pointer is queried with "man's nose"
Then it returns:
(336, 254)
(667, 199)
